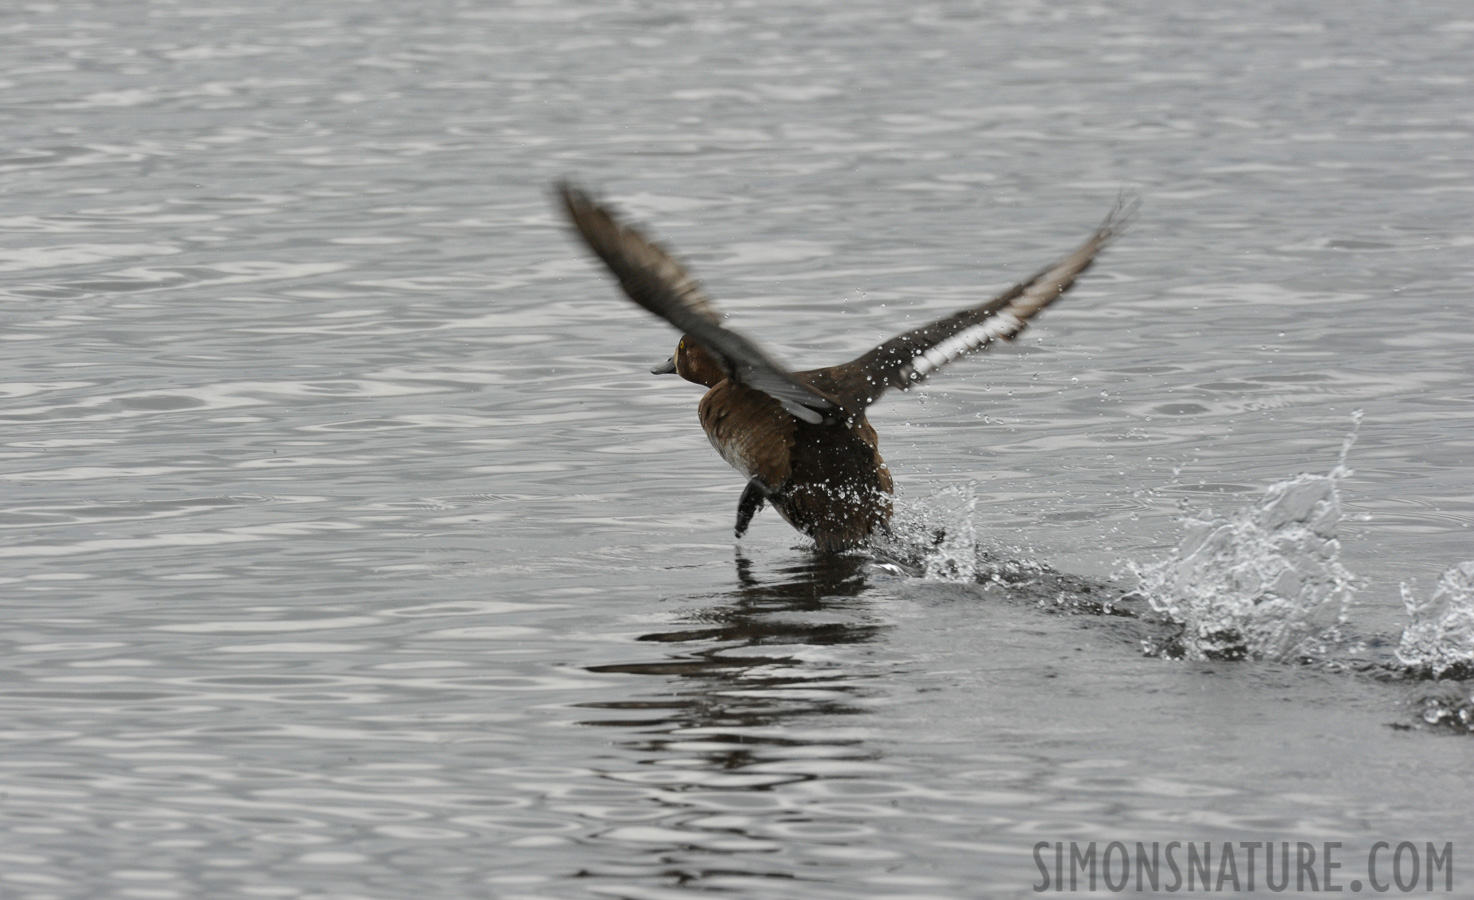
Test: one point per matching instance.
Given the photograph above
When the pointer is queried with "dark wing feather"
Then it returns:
(657, 282)
(908, 358)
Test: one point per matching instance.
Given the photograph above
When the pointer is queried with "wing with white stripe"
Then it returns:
(909, 358)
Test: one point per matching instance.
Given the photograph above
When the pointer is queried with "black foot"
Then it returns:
(752, 500)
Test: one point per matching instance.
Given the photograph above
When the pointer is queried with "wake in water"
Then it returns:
(1438, 644)
(1439, 639)
(936, 539)
(1267, 582)
(1264, 582)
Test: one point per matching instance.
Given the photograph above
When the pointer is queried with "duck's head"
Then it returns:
(693, 363)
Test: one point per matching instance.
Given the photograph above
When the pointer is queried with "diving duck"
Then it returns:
(801, 438)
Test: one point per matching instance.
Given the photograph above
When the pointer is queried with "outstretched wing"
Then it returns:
(908, 358)
(654, 280)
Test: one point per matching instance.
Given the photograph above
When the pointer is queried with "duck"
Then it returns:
(801, 438)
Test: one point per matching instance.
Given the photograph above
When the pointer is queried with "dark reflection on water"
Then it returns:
(807, 586)
(729, 735)
(724, 683)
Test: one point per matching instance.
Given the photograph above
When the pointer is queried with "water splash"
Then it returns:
(1439, 637)
(936, 538)
(1266, 582)
(1438, 643)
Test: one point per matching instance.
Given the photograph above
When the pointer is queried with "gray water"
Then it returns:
(349, 552)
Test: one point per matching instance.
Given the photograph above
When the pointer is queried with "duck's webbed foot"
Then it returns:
(753, 497)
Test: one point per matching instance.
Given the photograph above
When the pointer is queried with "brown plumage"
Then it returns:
(801, 438)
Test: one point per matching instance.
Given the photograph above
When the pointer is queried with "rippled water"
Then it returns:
(348, 550)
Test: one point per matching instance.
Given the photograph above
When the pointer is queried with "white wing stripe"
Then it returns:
(1003, 325)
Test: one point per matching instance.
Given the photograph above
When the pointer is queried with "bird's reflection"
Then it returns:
(742, 729)
(747, 662)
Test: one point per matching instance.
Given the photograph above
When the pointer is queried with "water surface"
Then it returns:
(349, 550)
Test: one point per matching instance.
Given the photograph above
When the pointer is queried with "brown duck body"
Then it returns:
(827, 480)
(801, 439)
